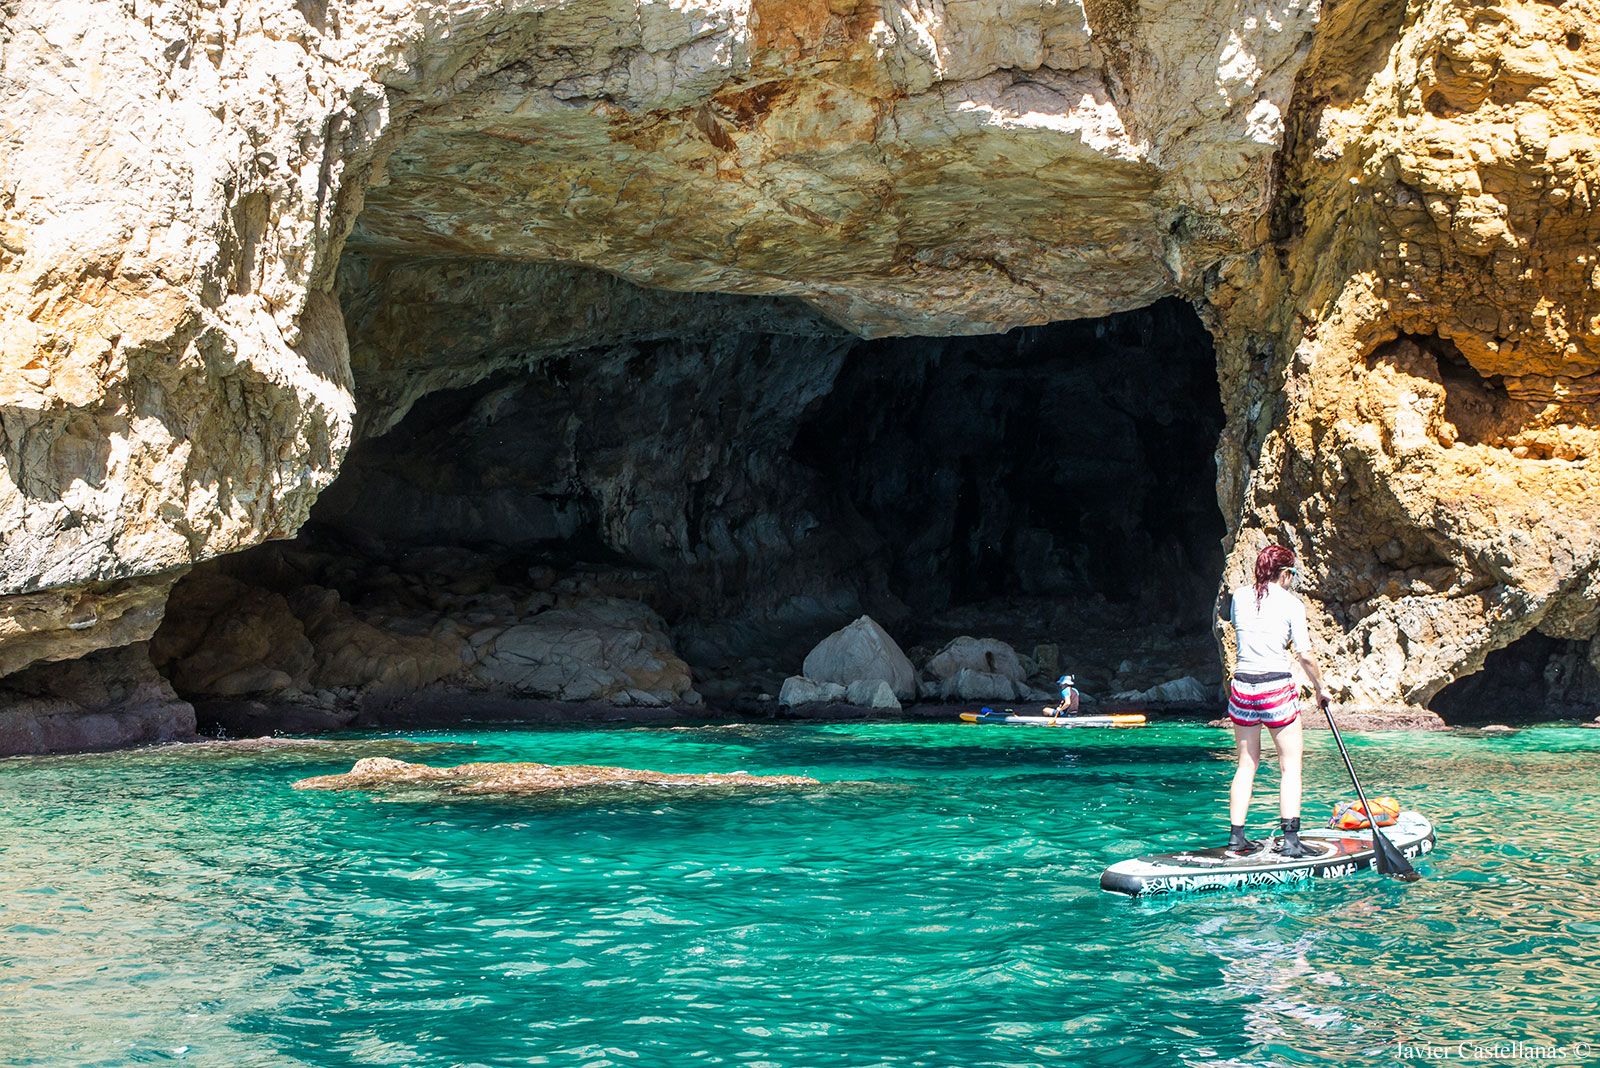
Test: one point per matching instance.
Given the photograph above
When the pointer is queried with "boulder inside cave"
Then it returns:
(662, 519)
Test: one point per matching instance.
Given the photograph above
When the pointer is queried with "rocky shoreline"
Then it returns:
(276, 653)
(625, 354)
(309, 662)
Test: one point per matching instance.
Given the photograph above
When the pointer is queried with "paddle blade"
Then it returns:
(1391, 861)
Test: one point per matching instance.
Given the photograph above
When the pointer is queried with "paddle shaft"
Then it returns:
(1390, 860)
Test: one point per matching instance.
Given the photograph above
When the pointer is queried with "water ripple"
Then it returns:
(187, 905)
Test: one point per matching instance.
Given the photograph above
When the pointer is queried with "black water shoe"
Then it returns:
(1238, 844)
(1290, 845)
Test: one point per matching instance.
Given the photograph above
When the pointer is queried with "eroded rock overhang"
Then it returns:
(176, 379)
(914, 170)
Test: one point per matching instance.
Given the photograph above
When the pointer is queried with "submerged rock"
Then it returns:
(862, 651)
(527, 778)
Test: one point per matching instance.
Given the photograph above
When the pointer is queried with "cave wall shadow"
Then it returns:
(1535, 678)
(759, 489)
(1073, 460)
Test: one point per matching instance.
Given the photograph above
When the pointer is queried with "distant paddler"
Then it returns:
(1269, 620)
(1069, 699)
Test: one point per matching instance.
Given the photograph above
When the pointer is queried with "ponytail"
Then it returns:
(1270, 563)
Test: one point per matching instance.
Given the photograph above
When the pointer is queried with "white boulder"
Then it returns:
(970, 685)
(862, 651)
(602, 649)
(871, 693)
(986, 655)
(799, 690)
(1187, 690)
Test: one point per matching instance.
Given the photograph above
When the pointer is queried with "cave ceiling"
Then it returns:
(1025, 173)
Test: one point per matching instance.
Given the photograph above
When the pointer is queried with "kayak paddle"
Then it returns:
(1390, 860)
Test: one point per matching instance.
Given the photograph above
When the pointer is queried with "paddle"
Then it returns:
(1390, 860)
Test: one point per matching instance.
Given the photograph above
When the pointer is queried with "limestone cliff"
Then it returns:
(1412, 368)
(1383, 211)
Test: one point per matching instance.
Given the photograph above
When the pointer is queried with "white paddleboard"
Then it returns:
(1337, 853)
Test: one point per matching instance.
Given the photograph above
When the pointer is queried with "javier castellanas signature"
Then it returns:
(1501, 1050)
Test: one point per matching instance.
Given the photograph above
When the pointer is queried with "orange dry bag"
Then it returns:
(1350, 816)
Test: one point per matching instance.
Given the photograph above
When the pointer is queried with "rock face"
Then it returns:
(440, 623)
(988, 655)
(476, 780)
(799, 690)
(599, 648)
(781, 483)
(970, 685)
(176, 378)
(232, 237)
(859, 155)
(1412, 367)
(1187, 690)
(871, 693)
(106, 700)
(980, 669)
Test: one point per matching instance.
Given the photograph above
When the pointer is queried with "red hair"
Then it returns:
(1270, 563)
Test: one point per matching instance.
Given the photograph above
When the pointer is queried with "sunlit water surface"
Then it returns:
(189, 905)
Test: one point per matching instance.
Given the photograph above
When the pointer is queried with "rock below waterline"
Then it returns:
(527, 778)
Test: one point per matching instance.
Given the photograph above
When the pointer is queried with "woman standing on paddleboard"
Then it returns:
(1268, 619)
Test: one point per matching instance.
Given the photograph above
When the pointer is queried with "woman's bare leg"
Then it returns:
(1290, 743)
(1248, 741)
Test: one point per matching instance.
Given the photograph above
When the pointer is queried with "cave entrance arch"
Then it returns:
(743, 473)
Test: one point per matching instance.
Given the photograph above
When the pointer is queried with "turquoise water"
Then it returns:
(187, 905)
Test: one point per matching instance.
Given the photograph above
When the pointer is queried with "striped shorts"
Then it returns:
(1263, 700)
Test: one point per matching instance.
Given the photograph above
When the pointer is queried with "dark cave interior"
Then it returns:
(776, 486)
(1051, 486)
(1535, 678)
(749, 491)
